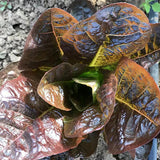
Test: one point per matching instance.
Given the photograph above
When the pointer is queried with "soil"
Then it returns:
(15, 24)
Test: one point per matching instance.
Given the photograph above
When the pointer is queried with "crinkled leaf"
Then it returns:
(20, 88)
(136, 118)
(2, 8)
(9, 73)
(151, 53)
(86, 147)
(44, 137)
(127, 129)
(82, 9)
(138, 90)
(42, 48)
(21, 136)
(93, 118)
(106, 96)
(54, 88)
(86, 85)
(3, 3)
(80, 124)
(116, 30)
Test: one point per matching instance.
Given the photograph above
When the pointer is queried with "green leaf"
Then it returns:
(92, 74)
(147, 7)
(9, 6)
(142, 5)
(156, 7)
(111, 67)
(2, 8)
(3, 3)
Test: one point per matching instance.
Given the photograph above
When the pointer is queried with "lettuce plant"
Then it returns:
(78, 79)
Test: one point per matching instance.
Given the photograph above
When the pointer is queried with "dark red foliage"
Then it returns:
(42, 48)
(151, 53)
(65, 93)
(136, 117)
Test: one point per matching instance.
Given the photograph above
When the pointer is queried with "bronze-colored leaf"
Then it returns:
(20, 88)
(44, 137)
(138, 90)
(136, 118)
(22, 137)
(127, 130)
(8, 73)
(82, 9)
(80, 124)
(151, 53)
(114, 31)
(93, 118)
(86, 147)
(54, 88)
(42, 48)
(106, 96)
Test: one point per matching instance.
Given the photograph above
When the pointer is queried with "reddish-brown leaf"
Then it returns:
(116, 30)
(21, 88)
(8, 73)
(44, 137)
(138, 90)
(106, 95)
(22, 137)
(128, 130)
(93, 118)
(151, 53)
(42, 48)
(86, 147)
(136, 118)
(82, 9)
(52, 89)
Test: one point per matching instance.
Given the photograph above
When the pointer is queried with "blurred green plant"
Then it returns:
(148, 4)
(4, 5)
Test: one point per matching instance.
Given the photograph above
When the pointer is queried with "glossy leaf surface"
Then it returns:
(93, 118)
(82, 9)
(138, 90)
(44, 137)
(127, 130)
(106, 95)
(21, 136)
(42, 48)
(116, 30)
(151, 53)
(87, 146)
(9, 73)
(52, 89)
(21, 88)
(136, 118)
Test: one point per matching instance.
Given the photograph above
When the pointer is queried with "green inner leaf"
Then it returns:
(110, 67)
(93, 74)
